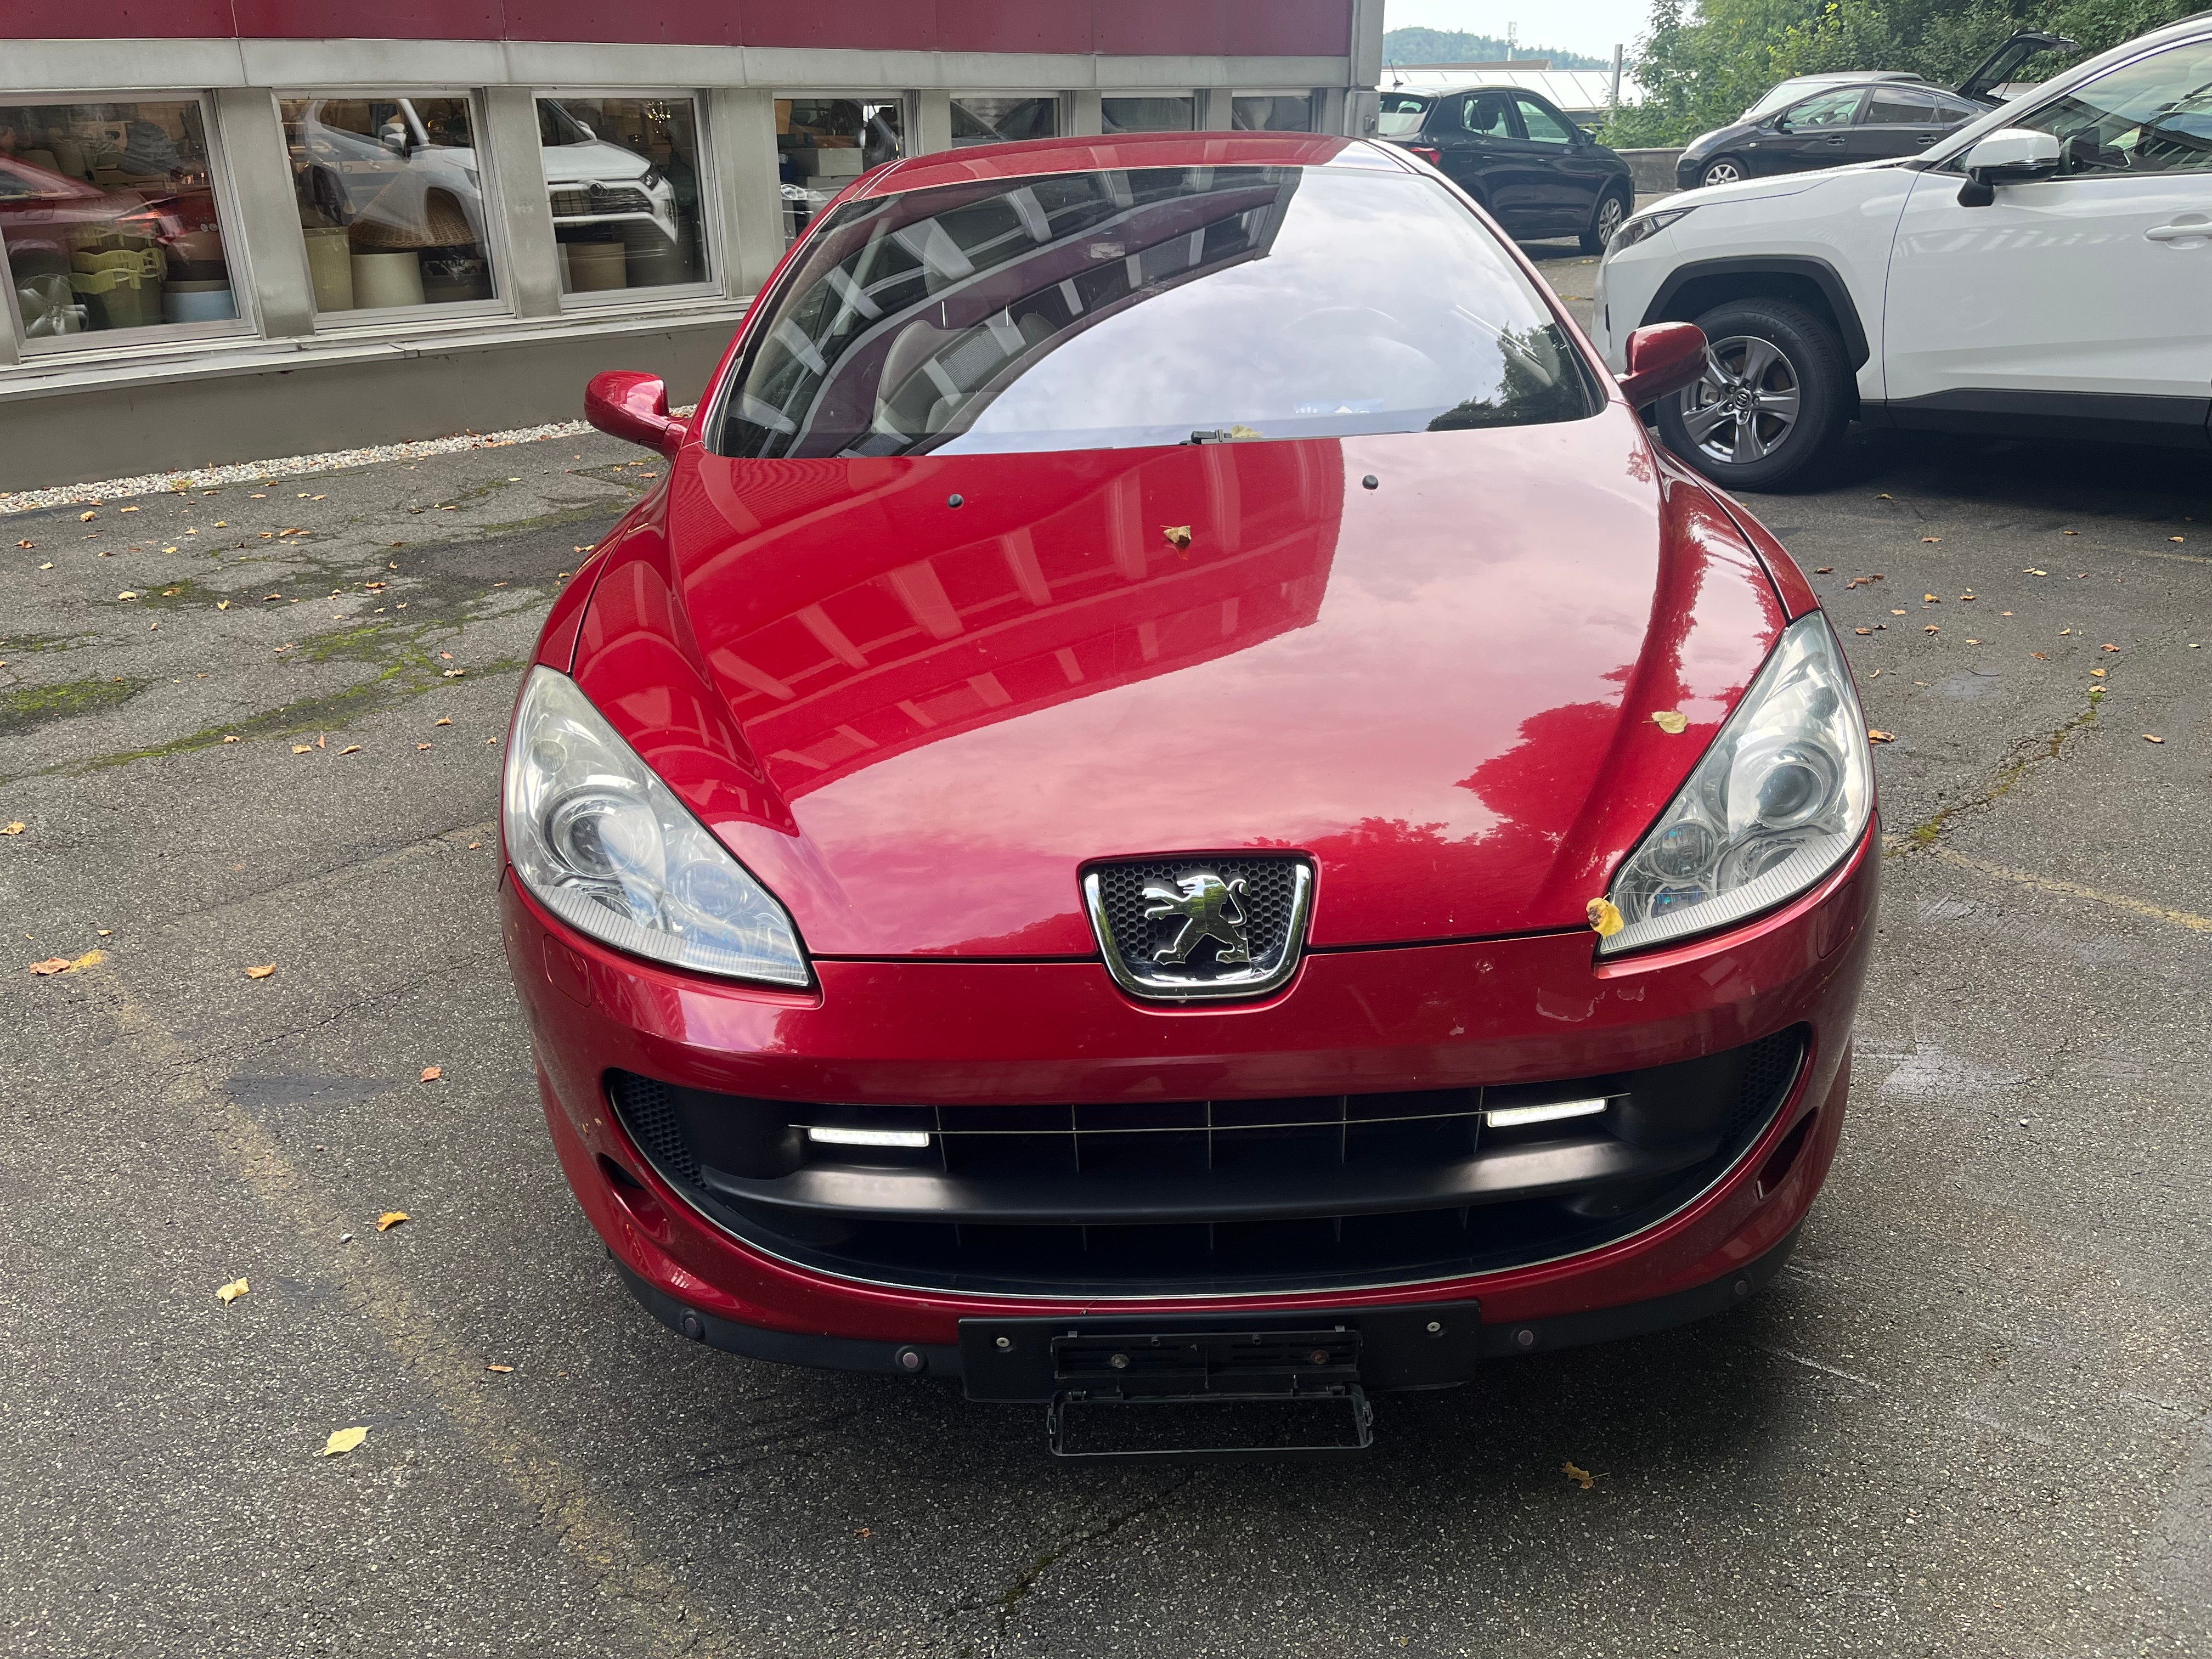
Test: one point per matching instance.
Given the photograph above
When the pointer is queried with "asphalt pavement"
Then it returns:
(258, 728)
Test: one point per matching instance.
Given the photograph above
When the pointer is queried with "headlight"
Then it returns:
(1645, 225)
(1780, 800)
(605, 846)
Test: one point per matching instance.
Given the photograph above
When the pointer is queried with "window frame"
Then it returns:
(498, 245)
(1782, 124)
(237, 256)
(714, 237)
(1063, 103)
(1955, 162)
(1190, 95)
(1514, 133)
(1522, 97)
(910, 103)
(1313, 105)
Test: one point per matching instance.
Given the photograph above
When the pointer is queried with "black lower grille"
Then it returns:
(1128, 1198)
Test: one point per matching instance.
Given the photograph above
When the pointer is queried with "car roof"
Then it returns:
(980, 163)
(1845, 78)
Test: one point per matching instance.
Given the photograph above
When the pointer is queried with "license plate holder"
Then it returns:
(1228, 1354)
(1326, 1423)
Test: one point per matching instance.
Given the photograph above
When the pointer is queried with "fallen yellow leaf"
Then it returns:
(1581, 1477)
(262, 972)
(1874, 735)
(442, 722)
(52, 965)
(350, 749)
(14, 828)
(2097, 674)
(234, 738)
(2148, 737)
(1178, 535)
(230, 1292)
(502, 1369)
(84, 517)
(1672, 721)
(432, 1073)
(344, 1442)
(1605, 918)
(391, 1219)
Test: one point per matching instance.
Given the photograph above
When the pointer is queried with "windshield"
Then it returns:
(1400, 116)
(1158, 306)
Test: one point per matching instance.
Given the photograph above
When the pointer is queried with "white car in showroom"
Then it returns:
(2044, 270)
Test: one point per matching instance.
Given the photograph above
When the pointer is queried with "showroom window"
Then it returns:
(981, 119)
(110, 223)
(822, 143)
(391, 199)
(1147, 114)
(624, 175)
(1275, 111)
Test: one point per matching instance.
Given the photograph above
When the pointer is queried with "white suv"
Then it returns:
(2045, 269)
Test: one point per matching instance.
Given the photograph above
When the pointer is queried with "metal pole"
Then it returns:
(1616, 75)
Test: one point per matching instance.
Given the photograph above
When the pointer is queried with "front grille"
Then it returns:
(574, 202)
(1199, 1197)
(1260, 911)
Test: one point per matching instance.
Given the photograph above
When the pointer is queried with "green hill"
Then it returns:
(1452, 46)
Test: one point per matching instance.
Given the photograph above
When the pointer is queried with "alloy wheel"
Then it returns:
(1747, 404)
(1723, 173)
(1610, 213)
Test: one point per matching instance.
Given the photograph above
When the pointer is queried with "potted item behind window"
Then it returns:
(453, 274)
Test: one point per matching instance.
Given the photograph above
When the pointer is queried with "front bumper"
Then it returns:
(955, 1034)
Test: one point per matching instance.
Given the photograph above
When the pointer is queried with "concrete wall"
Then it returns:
(1654, 170)
(244, 410)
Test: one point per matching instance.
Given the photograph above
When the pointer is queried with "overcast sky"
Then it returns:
(1586, 26)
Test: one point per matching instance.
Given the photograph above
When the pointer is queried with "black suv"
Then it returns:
(1535, 172)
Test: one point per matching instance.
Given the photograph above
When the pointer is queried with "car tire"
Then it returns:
(1723, 170)
(1611, 213)
(1773, 414)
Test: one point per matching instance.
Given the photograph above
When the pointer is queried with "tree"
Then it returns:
(1703, 70)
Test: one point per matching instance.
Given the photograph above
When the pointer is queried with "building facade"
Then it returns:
(271, 227)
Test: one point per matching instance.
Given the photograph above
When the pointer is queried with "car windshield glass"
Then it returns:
(1156, 305)
(1400, 116)
(2153, 115)
(1778, 96)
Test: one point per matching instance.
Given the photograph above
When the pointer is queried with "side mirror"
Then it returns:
(1663, 359)
(2010, 156)
(634, 408)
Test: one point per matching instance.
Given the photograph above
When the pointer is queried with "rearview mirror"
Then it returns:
(634, 408)
(1663, 359)
(2010, 156)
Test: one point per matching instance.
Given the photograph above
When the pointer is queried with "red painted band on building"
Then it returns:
(1234, 28)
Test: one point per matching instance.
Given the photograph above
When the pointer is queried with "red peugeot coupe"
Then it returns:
(1171, 800)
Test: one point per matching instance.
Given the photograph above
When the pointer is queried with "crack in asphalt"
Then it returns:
(2026, 754)
(1001, 1608)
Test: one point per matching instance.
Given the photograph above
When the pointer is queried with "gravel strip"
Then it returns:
(154, 483)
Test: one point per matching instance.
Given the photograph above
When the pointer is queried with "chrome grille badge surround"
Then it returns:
(1195, 928)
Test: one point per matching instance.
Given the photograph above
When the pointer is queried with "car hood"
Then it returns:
(596, 160)
(1780, 185)
(917, 721)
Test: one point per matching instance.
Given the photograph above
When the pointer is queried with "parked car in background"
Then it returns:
(1534, 171)
(1045, 838)
(2043, 271)
(1851, 115)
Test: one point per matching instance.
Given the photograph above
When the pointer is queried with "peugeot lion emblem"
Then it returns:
(1210, 907)
(1202, 927)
